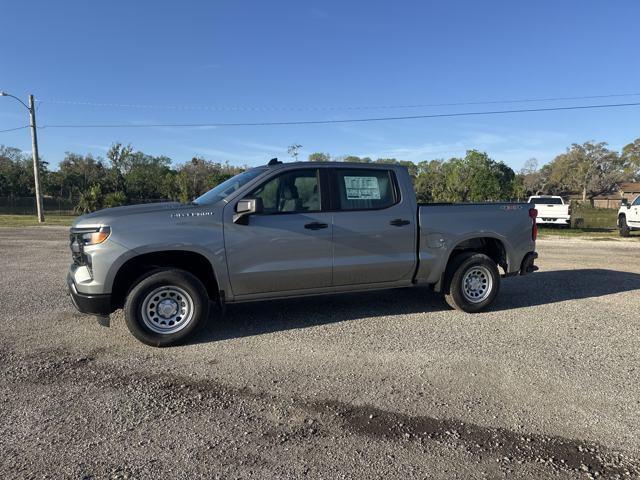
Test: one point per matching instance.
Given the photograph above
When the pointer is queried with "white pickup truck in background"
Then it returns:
(551, 210)
(629, 217)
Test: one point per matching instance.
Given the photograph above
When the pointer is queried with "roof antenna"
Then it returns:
(273, 161)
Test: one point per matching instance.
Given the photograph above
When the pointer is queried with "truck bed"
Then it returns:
(445, 227)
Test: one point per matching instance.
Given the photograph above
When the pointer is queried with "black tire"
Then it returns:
(183, 294)
(481, 269)
(623, 227)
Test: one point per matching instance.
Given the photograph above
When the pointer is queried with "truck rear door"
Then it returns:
(374, 228)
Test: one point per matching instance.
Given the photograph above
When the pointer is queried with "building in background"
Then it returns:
(628, 190)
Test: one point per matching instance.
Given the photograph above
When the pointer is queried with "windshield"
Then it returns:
(547, 201)
(227, 187)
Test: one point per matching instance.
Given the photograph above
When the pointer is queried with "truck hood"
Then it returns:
(108, 215)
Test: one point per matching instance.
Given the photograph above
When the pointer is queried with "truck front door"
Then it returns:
(634, 213)
(374, 228)
(287, 247)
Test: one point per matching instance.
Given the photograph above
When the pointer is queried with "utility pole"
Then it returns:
(34, 149)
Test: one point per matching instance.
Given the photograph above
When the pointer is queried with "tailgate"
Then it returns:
(545, 210)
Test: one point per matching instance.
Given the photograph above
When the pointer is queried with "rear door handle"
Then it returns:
(315, 225)
(399, 222)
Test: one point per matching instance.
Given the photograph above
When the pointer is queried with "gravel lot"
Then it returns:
(376, 385)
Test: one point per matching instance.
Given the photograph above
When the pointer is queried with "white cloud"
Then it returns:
(513, 148)
(261, 146)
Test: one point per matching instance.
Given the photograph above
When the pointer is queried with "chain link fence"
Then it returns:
(52, 205)
(27, 206)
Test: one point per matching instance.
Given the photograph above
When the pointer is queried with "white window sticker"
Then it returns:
(362, 188)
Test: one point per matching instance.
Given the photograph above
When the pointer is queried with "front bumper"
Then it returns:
(92, 304)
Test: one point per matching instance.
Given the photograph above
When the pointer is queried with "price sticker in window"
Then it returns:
(362, 188)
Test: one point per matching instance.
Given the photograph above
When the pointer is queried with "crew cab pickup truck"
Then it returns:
(629, 217)
(290, 230)
(551, 210)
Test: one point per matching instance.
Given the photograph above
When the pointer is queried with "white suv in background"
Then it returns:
(551, 210)
(629, 217)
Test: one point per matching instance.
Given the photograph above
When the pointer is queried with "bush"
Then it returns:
(90, 200)
(114, 199)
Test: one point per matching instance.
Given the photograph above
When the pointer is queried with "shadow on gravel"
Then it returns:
(504, 445)
(256, 318)
(540, 288)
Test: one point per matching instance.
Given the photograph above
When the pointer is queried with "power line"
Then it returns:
(329, 108)
(351, 120)
(13, 129)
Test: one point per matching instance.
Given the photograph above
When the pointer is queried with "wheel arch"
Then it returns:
(492, 247)
(135, 267)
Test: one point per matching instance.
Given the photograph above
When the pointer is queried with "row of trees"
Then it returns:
(588, 169)
(127, 176)
(474, 178)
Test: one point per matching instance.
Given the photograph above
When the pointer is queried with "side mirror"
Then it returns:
(625, 203)
(245, 208)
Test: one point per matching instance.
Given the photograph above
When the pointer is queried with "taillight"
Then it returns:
(533, 213)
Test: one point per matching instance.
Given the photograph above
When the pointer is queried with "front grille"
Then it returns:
(77, 249)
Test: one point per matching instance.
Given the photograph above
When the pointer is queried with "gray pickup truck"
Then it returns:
(290, 230)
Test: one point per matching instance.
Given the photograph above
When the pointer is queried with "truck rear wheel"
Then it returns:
(473, 282)
(623, 227)
(164, 308)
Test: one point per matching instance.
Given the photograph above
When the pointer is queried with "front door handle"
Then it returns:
(399, 222)
(315, 225)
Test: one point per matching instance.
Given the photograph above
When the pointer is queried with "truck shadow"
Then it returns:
(541, 288)
(555, 286)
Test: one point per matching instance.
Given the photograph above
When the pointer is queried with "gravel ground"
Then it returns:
(376, 385)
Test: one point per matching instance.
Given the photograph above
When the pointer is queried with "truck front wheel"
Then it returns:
(165, 307)
(473, 282)
(622, 226)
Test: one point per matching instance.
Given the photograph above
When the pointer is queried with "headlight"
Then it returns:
(91, 236)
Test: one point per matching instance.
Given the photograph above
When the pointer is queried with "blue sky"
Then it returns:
(248, 61)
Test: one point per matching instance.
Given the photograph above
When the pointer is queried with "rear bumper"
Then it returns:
(527, 266)
(553, 220)
(90, 304)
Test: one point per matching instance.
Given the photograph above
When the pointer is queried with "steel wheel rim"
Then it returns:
(167, 309)
(477, 284)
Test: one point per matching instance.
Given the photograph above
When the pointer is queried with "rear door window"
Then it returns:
(365, 189)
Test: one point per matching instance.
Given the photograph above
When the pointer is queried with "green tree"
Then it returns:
(475, 178)
(631, 159)
(114, 199)
(356, 159)
(16, 174)
(145, 176)
(90, 200)
(590, 168)
(294, 150)
(199, 175)
(319, 157)
(119, 157)
(76, 173)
